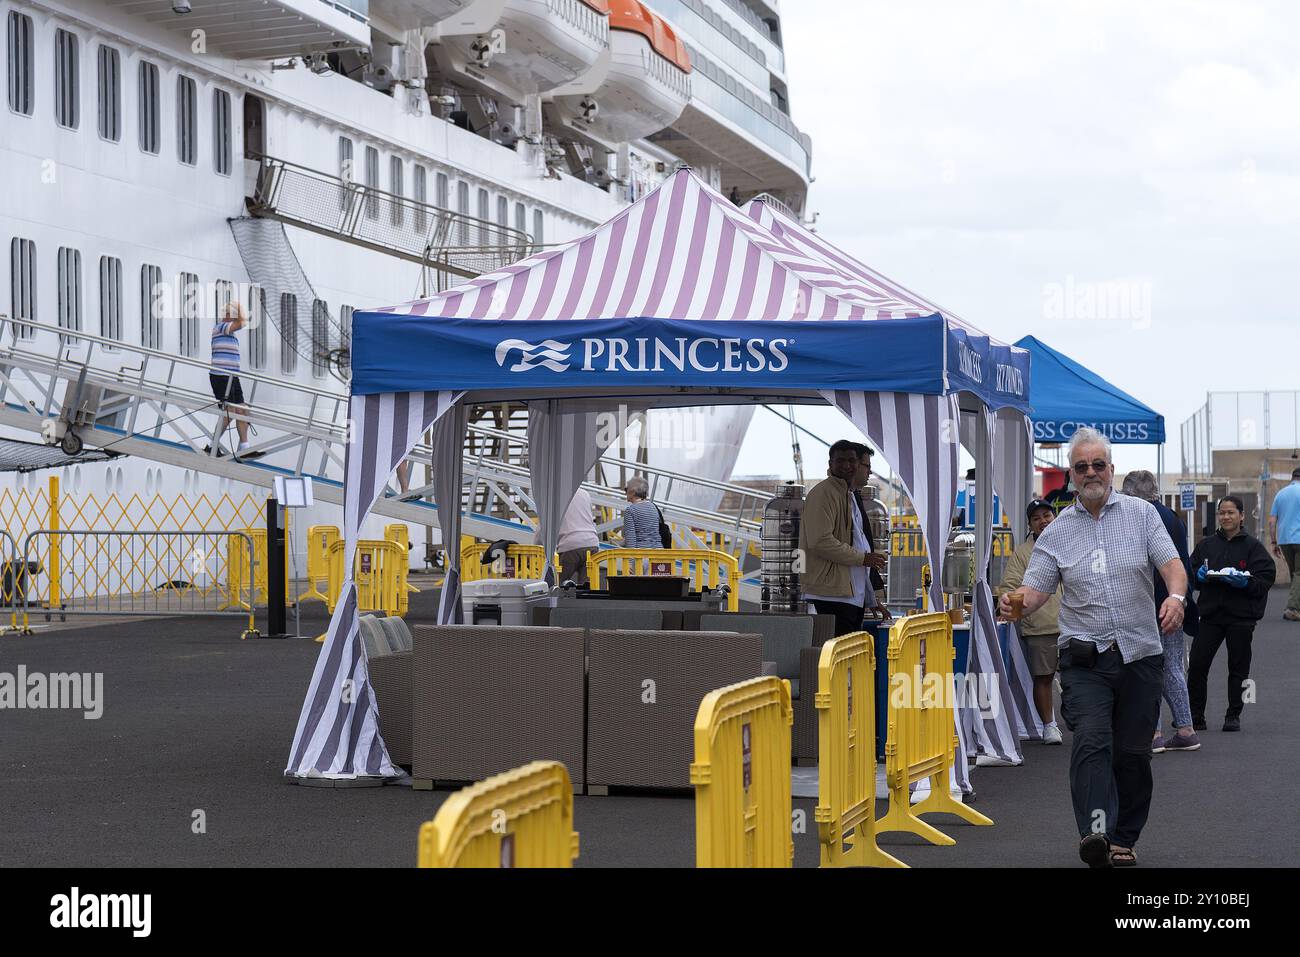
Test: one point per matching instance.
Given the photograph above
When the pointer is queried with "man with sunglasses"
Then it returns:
(1101, 550)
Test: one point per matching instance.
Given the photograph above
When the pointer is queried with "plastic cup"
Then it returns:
(1017, 607)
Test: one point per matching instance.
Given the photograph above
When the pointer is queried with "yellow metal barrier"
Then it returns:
(400, 535)
(704, 568)
(846, 784)
(741, 776)
(55, 565)
(908, 542)
(922, 737)
(522, 561)
(319, 540)
(521, 818)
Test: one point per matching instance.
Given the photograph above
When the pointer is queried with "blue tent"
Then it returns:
(1065, 396)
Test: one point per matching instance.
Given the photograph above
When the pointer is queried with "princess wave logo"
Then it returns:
(548, 354)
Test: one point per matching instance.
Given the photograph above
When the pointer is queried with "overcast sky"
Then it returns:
(996, 156)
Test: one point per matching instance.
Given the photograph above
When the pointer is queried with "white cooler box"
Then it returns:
(503, 601)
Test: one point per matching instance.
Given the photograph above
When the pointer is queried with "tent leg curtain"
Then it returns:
(1013, 468)
(995, 728)
(573, 437)
(338, 728)
(448, 445)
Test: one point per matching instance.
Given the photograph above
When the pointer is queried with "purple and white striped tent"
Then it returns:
(679, 300)
(1000, 441)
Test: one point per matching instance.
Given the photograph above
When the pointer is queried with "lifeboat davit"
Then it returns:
(640, 85)
(526, 46)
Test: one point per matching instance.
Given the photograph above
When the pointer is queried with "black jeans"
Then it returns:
(1111, 708)
(1206, 645)
(848, 617)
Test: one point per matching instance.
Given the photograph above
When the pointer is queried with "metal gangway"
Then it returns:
(83, 388)
(453, 243)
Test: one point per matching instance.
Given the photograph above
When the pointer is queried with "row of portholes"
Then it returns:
(73, 480)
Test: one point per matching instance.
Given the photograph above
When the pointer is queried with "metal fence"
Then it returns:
(1234, 421)
(161, 573)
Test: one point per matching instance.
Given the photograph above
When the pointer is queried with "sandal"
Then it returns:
(1094, 850)
(1122, 857)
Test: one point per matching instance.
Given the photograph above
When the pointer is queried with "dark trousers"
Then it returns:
(1204, 648)
(573, 565)
(848, 617)
(1111, 708)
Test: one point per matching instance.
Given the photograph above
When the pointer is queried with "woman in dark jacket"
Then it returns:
(1231, 602)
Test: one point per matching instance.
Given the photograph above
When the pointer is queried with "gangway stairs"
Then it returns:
(154, 405)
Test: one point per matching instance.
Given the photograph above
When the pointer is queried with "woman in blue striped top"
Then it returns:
(640, 517)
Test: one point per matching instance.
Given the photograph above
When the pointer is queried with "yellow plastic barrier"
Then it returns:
(319, 540)
(741, 776)
(921, 735)
(704, 568)
(400, 535)
(846, 784)
(522, 561)
(521, 818)
(375, 572)
(908, 542)
(239, 577)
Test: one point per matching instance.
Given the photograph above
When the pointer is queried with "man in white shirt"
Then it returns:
(578, 539)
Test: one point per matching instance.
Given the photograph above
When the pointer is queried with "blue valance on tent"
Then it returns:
(1067, 396)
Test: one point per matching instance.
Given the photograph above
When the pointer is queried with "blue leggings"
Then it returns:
(1174, 686)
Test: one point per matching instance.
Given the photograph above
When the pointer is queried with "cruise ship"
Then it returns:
(159, 158)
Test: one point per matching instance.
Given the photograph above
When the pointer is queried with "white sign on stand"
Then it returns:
(294, 491)
(1187, 496)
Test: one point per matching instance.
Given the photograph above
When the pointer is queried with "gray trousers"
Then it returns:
(1292, 555)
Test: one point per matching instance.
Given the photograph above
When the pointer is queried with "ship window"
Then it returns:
(256, 328)
(397, 188)
(149, 100)
(21, 80)
(503, 212)
(152, 299)
(442, 201)
(462, 207)
(484, 205)
(288, 333)
(187, 120)
(223, 295)
(345, 170)
(222, 148)
(539, 229)
(69, 293)
(372, 182)
(345, 326)
(521, 218)
(421, 187)
(110, 93)
(110, 297)
(320, 338)
(22, 284)
(187, 312)
(67, 99)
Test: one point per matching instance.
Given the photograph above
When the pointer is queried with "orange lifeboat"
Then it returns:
(640, 86)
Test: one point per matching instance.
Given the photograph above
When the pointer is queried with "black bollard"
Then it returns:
(276, 613)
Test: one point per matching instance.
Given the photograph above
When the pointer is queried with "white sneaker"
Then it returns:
(1051, 735)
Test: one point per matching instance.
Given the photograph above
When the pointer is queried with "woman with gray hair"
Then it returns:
(1142, 484)
(641, 517)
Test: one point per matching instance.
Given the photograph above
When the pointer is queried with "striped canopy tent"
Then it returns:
(999, 438)
(680, 300)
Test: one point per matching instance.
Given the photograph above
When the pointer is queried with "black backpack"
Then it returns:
(665, 533)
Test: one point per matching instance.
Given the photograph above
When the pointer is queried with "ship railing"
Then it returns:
(420, 232)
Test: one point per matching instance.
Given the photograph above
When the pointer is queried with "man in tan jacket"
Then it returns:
(836, 556)
(1039, 629)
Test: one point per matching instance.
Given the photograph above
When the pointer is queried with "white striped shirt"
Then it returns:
(225, 348)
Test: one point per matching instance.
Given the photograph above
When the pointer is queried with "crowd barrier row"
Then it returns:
(741, 772)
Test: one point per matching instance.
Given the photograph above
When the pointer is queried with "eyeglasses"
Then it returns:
(1096, 465)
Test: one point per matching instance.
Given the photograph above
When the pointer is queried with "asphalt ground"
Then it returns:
(196, 720)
